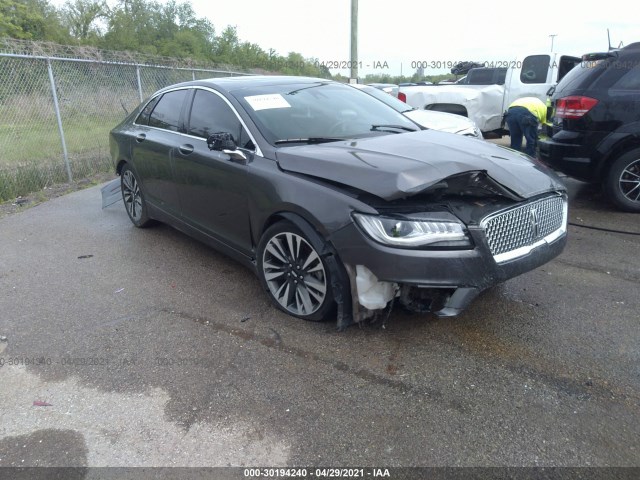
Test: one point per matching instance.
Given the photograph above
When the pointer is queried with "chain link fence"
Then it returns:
(56, 112)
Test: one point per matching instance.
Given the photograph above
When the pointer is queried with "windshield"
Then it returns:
(316, 112)
(393, 102)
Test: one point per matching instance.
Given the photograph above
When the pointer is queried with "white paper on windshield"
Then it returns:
(264, 102)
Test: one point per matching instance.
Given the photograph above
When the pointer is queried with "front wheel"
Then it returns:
(622, 185)
(133, 198)
(294, 274)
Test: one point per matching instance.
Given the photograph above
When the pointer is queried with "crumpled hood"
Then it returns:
(400, 165)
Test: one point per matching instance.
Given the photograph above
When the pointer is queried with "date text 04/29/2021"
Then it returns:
(342, 64)
(316, 473)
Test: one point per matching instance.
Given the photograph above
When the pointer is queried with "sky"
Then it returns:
(395, 37)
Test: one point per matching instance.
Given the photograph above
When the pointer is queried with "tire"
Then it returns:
(133, 198)
(622, 185)
(295, 276)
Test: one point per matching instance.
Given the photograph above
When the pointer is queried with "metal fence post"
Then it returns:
(139, 83)
(91, 93)
(54, 93)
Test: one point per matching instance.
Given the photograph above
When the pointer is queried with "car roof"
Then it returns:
(632, 46)
(230, 84)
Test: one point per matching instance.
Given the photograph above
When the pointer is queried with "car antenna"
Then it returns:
(620, 45)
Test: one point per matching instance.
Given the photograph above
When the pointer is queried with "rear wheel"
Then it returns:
(133, 198)
(622, 185)
(294, 274)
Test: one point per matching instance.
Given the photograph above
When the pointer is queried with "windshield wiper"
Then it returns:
(397, 127)
(309, 140)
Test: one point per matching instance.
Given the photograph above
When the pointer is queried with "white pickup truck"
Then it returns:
(488, 91)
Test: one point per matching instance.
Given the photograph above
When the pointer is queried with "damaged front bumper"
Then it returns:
(444, 282)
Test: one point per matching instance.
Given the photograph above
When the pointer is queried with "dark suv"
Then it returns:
(596, 125)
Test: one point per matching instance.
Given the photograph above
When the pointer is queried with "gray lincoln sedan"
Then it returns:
(341, 205)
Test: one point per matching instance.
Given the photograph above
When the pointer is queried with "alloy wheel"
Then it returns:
(630, 181)
(131, 195)
(294, 273)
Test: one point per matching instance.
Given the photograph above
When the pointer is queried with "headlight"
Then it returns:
(412, 232)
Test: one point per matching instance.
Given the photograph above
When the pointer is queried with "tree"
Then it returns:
(147, 26)
(12, 16)
(172, 29)
(226, 45)
(132, 26)
(81, 17)
(182, 33)
(31, 20)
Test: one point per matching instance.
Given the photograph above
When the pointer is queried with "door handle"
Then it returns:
(185, 149)
(140, 137)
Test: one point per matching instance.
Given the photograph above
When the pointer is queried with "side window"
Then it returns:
(630, 80)
(166, 114)
(211, 114)
(143, 118)
(480, 76)
(535, 69)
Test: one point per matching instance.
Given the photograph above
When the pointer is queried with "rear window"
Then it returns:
(619, 74)
(166, 114)
(486, 76)
(580, 76)
(629, 81)
(143, 118)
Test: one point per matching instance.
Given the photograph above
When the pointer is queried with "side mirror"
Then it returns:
(221, 141)
(225, 143)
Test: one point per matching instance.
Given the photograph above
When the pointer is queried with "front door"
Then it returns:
(212, 187)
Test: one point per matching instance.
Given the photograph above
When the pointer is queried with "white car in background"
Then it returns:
(390, 88)
(445, 122)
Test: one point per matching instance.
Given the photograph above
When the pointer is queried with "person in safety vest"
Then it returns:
(523, 117)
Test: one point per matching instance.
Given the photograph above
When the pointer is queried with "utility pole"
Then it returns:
(553, 36)
(354, 42)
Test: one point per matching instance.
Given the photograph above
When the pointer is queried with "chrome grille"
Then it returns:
(509, 233)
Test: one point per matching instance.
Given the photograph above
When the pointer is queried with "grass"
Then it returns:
(26, 134)
(53, 191)
(92, 98)
(33, 176)
(31, 154)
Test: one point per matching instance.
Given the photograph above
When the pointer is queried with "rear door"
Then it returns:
(160, 127)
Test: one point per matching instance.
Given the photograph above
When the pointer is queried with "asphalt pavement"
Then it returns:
(128, 347)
